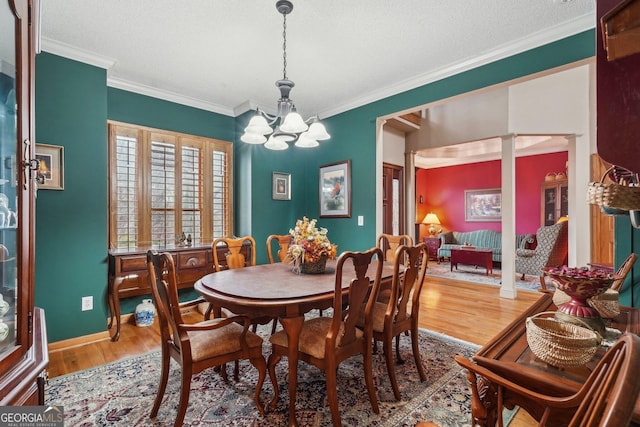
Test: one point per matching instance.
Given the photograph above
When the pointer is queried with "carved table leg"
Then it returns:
(292, 326)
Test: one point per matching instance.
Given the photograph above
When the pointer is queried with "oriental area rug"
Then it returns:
(470, 273)
(122, 393)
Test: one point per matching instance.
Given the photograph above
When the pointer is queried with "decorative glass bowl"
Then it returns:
(580, 283)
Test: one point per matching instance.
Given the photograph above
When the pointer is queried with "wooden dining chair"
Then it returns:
(234, 255)
(400, 313)
(283, 242)
(607, 397)
(623, 270)
(390, 242)
(196, 347)
(235, 258)
(325, 342)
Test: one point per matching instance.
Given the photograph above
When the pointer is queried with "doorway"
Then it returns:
(392, 199)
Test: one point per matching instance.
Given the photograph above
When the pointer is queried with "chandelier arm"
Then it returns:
(271, 119)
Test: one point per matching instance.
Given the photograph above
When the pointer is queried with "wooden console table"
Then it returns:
(510, 349)
(128, 273)
(472, 256)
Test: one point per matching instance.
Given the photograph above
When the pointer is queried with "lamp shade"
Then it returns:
(293, 123)
(304, 141)
(431, 218)
(276, 143)
(258, 125)
(318, 132)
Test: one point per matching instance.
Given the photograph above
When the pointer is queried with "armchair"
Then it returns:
(551, 250)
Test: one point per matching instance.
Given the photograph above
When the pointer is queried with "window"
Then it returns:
(164, 184)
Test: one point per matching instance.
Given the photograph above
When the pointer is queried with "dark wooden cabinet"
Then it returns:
(23, 338)
(433, 244)
(128, 274)
(554, 201)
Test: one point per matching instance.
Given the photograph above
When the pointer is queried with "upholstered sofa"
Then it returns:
(484, 239)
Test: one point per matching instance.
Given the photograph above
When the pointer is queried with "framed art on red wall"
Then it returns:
(483, 205)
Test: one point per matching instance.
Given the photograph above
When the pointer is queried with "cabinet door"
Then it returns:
(549, 203)
(16, 184)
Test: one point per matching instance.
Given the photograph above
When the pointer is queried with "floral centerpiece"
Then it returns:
(310, 247)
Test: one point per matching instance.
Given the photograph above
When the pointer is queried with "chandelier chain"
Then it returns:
(284, 46)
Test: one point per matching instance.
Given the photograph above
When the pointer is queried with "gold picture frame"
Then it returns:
(51, 166)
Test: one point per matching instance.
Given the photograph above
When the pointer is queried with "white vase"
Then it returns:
(4, 331)
(4, 306)
(145, 313)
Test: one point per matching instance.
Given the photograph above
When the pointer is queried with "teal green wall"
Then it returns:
(73, 104)
(71, 225)
(627, 240)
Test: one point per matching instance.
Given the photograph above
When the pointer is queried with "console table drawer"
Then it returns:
(132, 263)
(192, 260)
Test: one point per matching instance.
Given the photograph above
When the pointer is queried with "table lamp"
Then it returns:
(432, 220)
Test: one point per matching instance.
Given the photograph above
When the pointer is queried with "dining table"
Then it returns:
(276, 291)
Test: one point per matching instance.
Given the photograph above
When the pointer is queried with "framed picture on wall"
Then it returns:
(483, 205)
(281, 186)
(335, 190)
(51, 172)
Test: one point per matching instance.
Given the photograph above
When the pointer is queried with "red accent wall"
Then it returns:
(442, 191)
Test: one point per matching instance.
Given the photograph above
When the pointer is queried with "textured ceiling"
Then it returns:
(222, 54)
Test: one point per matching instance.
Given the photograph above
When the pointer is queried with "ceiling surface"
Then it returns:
(225, 55)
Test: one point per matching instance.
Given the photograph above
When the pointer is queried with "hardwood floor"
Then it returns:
(470, 312)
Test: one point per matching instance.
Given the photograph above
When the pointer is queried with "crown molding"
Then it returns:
(541, 38)
(166, 95)
(549, 35)
(76, 54)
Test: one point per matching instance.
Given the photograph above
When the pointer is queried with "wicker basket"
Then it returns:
(614, 195)
(607, 304)
(560, 344)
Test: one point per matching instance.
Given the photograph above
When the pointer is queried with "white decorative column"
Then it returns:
(508, 288)
(410, 195)
(379, 160)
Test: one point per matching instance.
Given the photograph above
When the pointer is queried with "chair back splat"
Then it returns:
(283, 242)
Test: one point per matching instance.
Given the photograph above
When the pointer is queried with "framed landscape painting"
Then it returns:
(335, 190)
(483, 205)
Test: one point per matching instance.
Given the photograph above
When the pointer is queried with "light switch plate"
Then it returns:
(360, 220)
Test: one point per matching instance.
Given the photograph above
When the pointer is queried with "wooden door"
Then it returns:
(392, 199)
(602, 226)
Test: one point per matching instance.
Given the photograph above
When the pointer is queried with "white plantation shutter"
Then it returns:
(163, 184)
(125, 192)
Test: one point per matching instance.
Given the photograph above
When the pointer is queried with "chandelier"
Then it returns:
(287, 125)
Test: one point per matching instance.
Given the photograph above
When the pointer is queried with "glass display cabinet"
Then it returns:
(23, 347)
(555, 201)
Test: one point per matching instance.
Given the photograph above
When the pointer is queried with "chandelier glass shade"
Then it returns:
(277, 131)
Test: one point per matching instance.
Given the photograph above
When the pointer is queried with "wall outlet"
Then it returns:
(87, 303)
(360, 220)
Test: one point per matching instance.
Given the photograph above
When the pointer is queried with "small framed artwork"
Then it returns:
(51, 172)
(335, 190)
(281, 186)
(483, 205)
